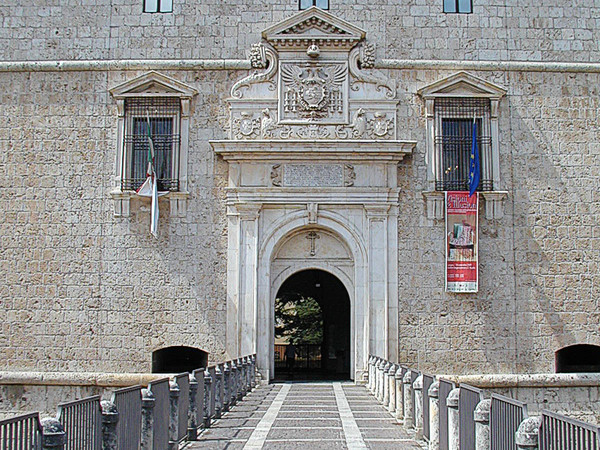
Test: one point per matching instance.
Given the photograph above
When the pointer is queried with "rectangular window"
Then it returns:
(458, 6)
(305, 4)
(453, 141)
(162, 114)
(158, 6)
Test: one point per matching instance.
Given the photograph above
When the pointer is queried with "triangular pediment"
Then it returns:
(462, 84)
(153, 83)
(313, 25)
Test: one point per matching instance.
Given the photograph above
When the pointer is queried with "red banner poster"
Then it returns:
(461, 242)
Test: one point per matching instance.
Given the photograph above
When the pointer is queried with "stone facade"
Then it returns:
(83, 290)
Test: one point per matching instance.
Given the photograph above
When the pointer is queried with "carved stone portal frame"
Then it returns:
(327, 165)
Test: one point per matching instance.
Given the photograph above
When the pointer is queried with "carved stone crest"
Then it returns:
(313, 92)
(245, 126)
(380, 126)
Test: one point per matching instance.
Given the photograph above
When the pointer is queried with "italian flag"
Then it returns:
(150, 187)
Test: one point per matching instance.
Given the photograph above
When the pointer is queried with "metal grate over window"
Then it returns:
(453, 140)
(162, 115)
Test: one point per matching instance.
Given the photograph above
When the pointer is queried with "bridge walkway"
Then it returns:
(314, 415)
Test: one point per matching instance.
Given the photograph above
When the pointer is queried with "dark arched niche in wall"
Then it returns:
(178, 359)
(578, 358)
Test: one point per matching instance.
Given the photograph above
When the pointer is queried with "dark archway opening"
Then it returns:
(178, 359)
(312, 313)
(578, 358)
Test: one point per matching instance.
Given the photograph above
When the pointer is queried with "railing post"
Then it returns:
(379, 391)
(233, 383)
(434, 415)
(370, 380)
(110, 418)
(174, 415)
(243, 377)
(218, 392)
(418, 407)
(53, 434)
(147, 419)
(374, 370)
(386, 384)
(226, 386)
(409, 407)
(453, 419)
(192, 431)
(391, 406)
(528, 435)
(253, 371)
(240, 379)
(481, 415)
(206, 407)
(399, 394)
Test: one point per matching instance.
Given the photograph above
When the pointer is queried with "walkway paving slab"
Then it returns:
(304, 416)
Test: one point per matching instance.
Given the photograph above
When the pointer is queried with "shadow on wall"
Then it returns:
(178, 359)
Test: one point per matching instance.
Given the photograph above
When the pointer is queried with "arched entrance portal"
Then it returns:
(313, 314)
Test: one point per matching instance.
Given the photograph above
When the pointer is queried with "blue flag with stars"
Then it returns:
(474, 171)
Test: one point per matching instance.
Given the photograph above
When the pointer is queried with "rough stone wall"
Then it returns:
(502, 30)
(86, 291)
(82, 290)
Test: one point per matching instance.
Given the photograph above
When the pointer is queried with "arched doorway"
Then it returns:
(312, 313)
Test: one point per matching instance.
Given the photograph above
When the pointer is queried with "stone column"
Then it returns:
(147, 419)
(453, 420)
(234, 383)
(218, 389)
(110, 418)
(379, 298)
(409, 407)
(253, 371)
(192, 431)
(53, 434)
(528, 435)
(481, 415)
(174, 415)
(399, 394)
(434, 416)
(418, 388)
(206, 413)
(386, 384)
(244, 376)
(391, 406)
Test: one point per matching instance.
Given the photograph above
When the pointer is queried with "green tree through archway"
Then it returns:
(298, 319)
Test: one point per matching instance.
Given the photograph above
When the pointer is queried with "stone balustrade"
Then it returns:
(435, 415)
(192, 401)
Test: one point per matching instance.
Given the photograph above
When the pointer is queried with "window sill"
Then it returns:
(494, 204)
(122, 201)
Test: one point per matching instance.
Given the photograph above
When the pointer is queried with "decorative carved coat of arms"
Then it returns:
(316, 93)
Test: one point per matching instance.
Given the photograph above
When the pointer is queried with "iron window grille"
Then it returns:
(305, 4)
(458, 6)
(158, 6)
(162, 114)
(453, 141)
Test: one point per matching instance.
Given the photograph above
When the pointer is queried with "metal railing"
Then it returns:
(20, 433)
(129, 427)
(558, 432)
(468, 399)
(162, 408)
(183, 405)
(82, 421)
(427, 382)
(506, 415)
(445, 388)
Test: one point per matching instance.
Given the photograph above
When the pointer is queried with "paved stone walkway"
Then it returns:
(307, 415)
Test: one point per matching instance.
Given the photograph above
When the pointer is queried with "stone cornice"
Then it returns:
(306, 150)
(244, 64)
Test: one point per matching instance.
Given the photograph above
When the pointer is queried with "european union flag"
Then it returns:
(474, 171)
